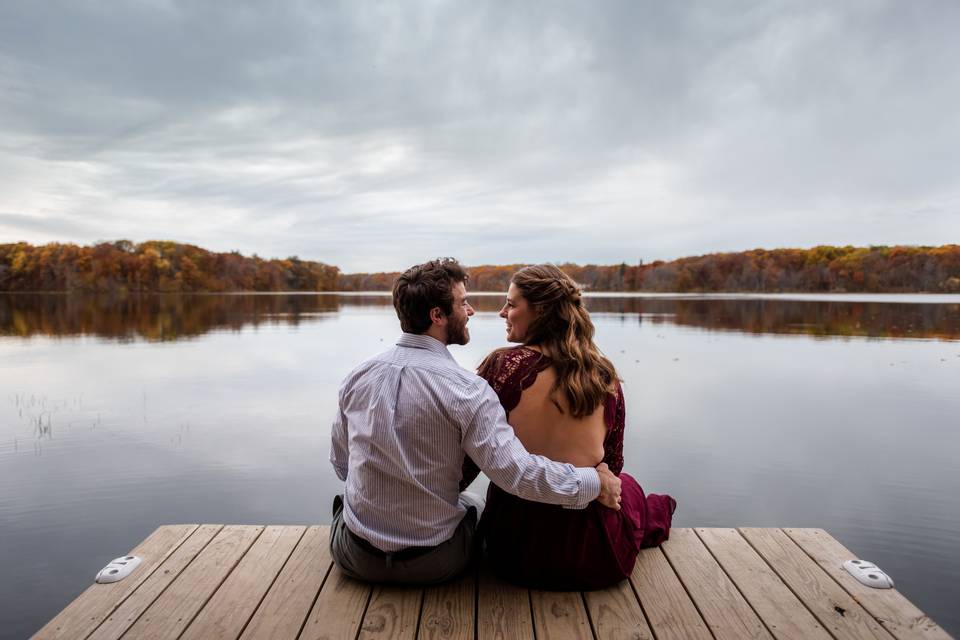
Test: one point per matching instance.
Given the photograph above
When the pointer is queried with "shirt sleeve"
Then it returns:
(489, 440)
(339, 448)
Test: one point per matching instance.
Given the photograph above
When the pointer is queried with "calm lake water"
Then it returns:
(119, 415)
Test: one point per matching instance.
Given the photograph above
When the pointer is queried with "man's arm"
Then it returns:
(490, 441)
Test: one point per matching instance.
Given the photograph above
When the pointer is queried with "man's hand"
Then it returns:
(609, 487)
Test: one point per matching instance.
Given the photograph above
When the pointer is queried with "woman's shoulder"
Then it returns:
(510, 370)
(510, 357)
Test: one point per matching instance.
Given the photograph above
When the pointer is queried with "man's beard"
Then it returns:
(457, 332)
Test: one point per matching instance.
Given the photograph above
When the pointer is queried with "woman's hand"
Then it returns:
(609, 487)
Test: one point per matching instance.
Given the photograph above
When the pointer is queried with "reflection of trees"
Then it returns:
(174, 317)
(818, 318)
(158, 317)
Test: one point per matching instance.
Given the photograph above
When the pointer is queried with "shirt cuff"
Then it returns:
(589, 487)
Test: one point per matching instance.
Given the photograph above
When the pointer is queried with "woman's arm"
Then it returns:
(614, 416)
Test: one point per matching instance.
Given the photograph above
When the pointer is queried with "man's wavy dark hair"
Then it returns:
(423, 287)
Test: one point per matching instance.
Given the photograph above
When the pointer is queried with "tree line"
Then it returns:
(161, 266)
(876, 269)
(154, 266)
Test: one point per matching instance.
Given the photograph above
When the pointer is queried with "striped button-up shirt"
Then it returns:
(406, 419)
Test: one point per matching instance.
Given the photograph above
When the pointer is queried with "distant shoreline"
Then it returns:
(799, 296)
(156, 266)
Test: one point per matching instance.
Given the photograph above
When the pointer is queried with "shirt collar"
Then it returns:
(423, 341)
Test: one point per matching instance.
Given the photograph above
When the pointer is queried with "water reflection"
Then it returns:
(156, 317)
(178, 317)
(811, 317)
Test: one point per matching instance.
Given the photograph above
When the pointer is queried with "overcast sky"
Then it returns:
(376, 135)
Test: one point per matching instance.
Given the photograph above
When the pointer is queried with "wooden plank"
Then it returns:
(503, 610)
(615, 614)
(338, 610)
(784, 615)
(721, 605)
(559, 614)
(94, 605)
(832, 606)
(133, 607)
(669, 610)
(287, 604)
(227, 612)
(897, 614)
(173, 610)
(393, 612)
(449, 609)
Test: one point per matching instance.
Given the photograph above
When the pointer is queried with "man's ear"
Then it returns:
(438, 317)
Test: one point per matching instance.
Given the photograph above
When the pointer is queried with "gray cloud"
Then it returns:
(14, 222)
(370, 136)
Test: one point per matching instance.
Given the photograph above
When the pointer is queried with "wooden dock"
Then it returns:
(240, 581)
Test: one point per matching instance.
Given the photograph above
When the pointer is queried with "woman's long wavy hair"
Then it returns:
(563, 329)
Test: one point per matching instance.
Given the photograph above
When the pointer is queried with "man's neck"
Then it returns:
(437, 333)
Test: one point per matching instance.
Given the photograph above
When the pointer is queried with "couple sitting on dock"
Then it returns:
(544, 420)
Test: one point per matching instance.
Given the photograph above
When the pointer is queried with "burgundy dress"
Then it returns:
(545, 546)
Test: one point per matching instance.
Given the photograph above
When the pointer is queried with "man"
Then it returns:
(406, 419)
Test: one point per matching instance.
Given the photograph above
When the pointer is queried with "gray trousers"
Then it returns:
(420, 565)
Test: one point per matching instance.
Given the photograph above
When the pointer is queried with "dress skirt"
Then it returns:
(544, 546)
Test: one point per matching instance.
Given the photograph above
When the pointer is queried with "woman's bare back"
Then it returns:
(545, 430)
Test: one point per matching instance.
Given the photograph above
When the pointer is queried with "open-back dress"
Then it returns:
(547, 546)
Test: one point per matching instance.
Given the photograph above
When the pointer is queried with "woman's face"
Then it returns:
(518, 314)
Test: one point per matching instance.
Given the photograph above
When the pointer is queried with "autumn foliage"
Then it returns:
(155, 266)
(820, 269)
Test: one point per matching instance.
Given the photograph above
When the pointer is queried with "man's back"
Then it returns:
(403, 412)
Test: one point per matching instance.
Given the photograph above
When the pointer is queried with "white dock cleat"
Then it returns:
(868, 574)
(118, 569)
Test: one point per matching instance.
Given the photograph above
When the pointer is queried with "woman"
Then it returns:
(564, 401)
